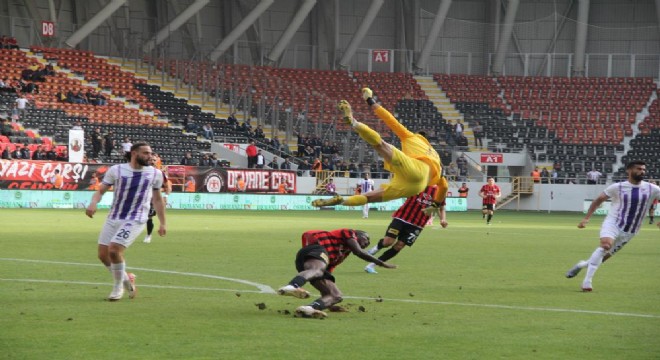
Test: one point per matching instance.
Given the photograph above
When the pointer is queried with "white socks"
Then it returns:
(118, 273)
(373, 251)
(594, 262)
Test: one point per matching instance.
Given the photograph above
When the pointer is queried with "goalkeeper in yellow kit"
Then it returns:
(415, 166)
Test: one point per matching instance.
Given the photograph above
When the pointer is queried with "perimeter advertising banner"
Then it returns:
(197, 201)
(214, 180)
(605, 208)
(37, 175)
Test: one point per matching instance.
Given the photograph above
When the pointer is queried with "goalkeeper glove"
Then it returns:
(367, 95)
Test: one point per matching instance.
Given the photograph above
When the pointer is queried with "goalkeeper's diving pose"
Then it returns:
(415, 166)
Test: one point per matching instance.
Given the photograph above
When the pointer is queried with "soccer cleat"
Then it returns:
(335, 200)
(370, 270)
(116, 294)
(572, 272)
(147, 239)
(129, 285)
(290, 290)
(308, 311)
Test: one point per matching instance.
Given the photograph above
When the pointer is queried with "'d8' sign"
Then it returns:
(47, 28)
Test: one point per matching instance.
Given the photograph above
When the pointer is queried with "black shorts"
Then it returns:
(403, 231)
(314, 251)
(488, 207)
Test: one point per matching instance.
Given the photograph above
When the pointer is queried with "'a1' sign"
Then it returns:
(381, 56)
(492, 158)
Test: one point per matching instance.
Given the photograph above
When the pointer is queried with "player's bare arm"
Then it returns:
(98, 194)
(359, 252)
(159, 206)
(595, 204)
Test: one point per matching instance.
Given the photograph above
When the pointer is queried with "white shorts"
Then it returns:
(122, 232)
(610, 230)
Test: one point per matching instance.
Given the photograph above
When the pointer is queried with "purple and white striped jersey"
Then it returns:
(630, 204)
(132, 191)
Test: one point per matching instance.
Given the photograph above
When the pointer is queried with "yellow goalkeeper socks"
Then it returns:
(370, 136)
(355, 200)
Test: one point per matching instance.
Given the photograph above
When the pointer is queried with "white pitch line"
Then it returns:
(262, 287)
(141, 285)
(265, 289)
(510, 307)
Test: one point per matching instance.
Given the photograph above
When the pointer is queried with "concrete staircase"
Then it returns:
(444, 106)
(194, 97)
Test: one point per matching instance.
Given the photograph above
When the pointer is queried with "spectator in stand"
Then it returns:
(462, 141)
(259, 133)
(251, 152)
(6, 153)
(452, 172)
(554, 177)
(51, 155)
(478, 131)
(109, 143)
(261, 160)
(301, 145)
(39, 153)
(286, 165)
(593, 176)
(6, 128)
(231, 121)
(21, 105)
(205, 160)
(353, 170)
(187, 159)
(459, 129)
(536, 175)
(545, 175)
(327, 165)
(126, 147)
(17, 153)
(462, 164)
(275, 143)
(273, 163)
(208, 131)
(215, 162)
(97, 142)
(25, 152)
(63, 155)
(304, 168)
(5, 86)
(316, 166)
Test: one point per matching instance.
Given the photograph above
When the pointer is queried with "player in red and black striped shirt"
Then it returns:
(322, 252)
(490, 193)
(407, 223)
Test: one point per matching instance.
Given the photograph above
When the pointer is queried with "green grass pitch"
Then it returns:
(470, 291)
